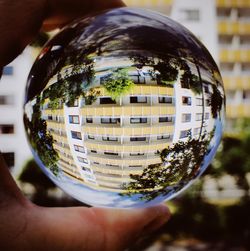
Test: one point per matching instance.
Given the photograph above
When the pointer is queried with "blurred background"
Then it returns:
(214, 213)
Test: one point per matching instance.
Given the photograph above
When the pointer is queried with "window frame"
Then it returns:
(141, 120)
(77, 135)
(138, 139)
(79, 149)
(74, 119)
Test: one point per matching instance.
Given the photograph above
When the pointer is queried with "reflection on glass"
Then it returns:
(124, 109)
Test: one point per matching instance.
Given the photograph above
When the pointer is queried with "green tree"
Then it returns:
(40, 138)
(72, 84)
(216, 102)
(181, 163)
(164, 69)
(118, 84)
(168, 72)
(91, 95)
(234, 159)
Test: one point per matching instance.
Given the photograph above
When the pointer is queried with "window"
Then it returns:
(112, 165)
(198, 116)
(138, 139)
(91, 136)
(96, 163)
(245, 40)
(104, 138)
(111, 153)
(6, 99)
(89, 120)
(6, 129)
(86, 169)
(207, 102)
(93, 151)
(82, 160)
(73, 119)
(79, 149)
(206, 88)
(197, 131)
(138, 120)
(9, 158)
(246, 95)
(185, 133)
(166, 100)
(140, 99)
(199, 102)
(165, 119)
(135, 166)
(107, 100)
(110, 120)
(190, 14)
(186, 117)
(186, 100)
(137, 154)
(207, 115)
(165, 136)
(76, 135)
(8, 70)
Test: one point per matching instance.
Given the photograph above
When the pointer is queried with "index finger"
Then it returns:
(63, 12)
(20, 21)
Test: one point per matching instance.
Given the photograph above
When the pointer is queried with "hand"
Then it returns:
(25, 226)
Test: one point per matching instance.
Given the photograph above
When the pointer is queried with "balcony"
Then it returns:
(233, 28)
(132, 130)
(129, 148)
(237, 111)
(117, 169)
(117, 160)
(152, 3)
(234, 55)
(236, 82)
(233, 3)
(130, 110)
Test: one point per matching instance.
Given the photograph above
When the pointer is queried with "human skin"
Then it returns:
(25, 226)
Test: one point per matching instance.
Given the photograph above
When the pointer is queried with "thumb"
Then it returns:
(124, 227)
(93, 229)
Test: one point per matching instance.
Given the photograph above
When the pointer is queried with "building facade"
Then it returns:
(13, 142)
(233, 27)
(224, 28)
(100, 144)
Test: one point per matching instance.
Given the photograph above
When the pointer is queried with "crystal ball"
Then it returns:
(124, 108)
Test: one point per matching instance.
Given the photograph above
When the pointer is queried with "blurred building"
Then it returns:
(233, 26)
(13, 143)
(222, 25)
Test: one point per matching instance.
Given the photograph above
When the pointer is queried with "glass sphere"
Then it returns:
(124, 108)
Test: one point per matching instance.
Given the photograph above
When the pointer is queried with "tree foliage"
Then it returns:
(216, 102)
(70, 86)
(118, 84)
(181, 163)
(165, 70)
(40, 138)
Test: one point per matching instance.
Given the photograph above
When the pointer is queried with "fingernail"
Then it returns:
(162, 215)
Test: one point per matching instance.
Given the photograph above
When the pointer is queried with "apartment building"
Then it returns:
(233, 27)
(101, 143)
(224, 28)
(163, 6)
(13, 143)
